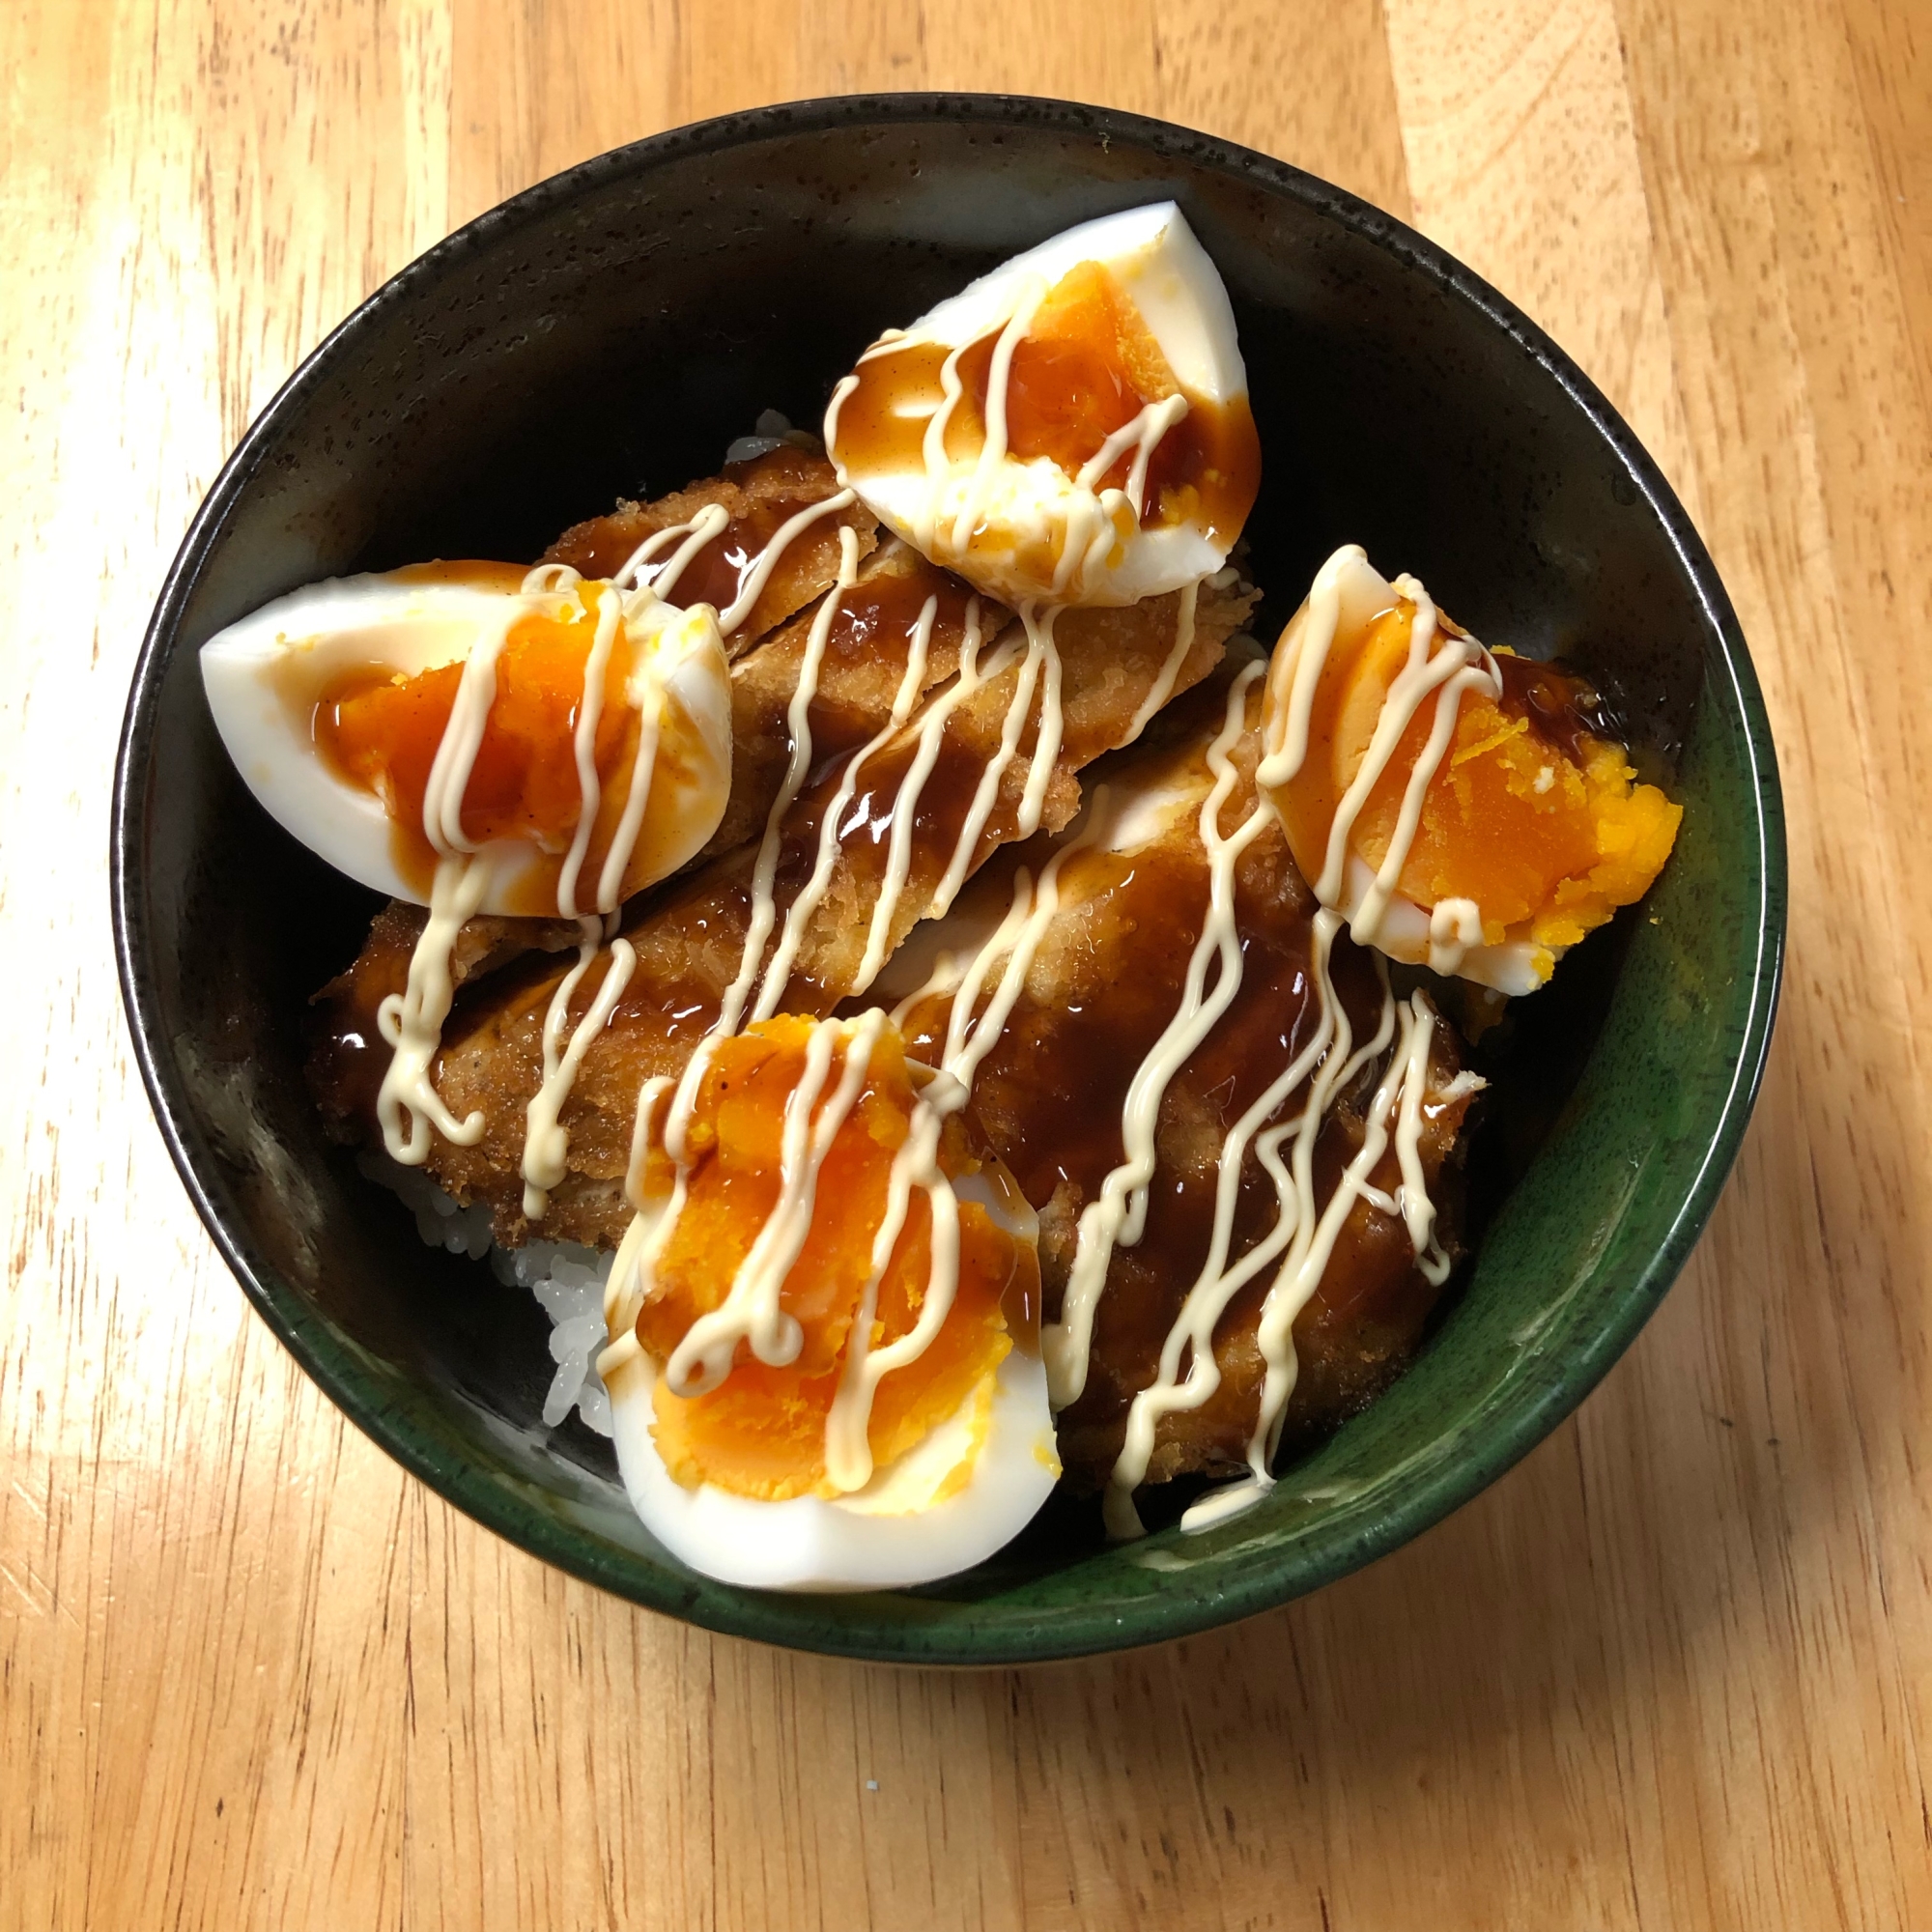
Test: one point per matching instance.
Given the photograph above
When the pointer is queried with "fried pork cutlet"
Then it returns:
(759, 497)
(1103, 984)
(690, 940)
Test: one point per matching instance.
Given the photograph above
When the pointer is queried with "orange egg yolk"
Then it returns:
(761, 1431)
(1546, 831)
(1085, 367)
(380, 730)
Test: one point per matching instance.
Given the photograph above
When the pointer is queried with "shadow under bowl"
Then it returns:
(607, 333)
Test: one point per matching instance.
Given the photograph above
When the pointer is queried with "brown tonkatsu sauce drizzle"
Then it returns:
(873, 629)
(691, 935)
(759, 497)
(1563, 709)
(864, 834)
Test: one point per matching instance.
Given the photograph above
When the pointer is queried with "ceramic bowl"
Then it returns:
(608, 332)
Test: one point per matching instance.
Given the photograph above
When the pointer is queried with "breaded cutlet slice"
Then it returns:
(1105, 983)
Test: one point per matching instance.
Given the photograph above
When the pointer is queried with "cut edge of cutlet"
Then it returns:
(787, 476)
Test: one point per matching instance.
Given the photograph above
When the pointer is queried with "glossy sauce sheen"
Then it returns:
(873, 631)
(688, 1008)
(716, 574)
(691, 935)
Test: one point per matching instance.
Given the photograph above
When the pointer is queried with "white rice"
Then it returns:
(567, 1279)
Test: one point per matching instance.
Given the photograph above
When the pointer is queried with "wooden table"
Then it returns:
(1676, 1670)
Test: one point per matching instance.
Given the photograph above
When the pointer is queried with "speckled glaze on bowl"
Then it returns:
(608, 332)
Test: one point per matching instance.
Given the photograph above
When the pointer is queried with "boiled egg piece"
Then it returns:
(1074, 427)
(575, 736)
(735, 1462)
(1464, 810)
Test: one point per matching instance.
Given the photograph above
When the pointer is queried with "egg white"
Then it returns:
(1154, 256)
(883, 1537)
(302, 641)
(1515, 967)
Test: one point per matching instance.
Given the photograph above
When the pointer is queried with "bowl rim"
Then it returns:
(1508, 1435)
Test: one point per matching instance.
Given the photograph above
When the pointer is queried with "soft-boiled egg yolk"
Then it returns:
(1037, 483)
(1531, 816)
(382, 731)
(1088, 367)
(761, 1431)
(390, 720)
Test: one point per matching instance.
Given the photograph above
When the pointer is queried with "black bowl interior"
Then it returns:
(607, 333)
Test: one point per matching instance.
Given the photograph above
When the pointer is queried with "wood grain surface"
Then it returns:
(1675, 1670)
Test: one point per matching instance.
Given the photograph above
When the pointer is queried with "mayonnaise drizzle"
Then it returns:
(1459, 665)
(1301, 1273)
(1142, 434)
(589, 787)
(1301, 1240)
(408, 1105)
(1042, 654)
(1052, 716)
(752, 586)
(905, 808)
(993, 447)
(1162, 688)
(1307, 1240)
(1454, 926)
(651, 1228)
(546, 1144)
(764, 873)
(915, 1164)
(652, 1225)
(1082, 529)
(1118, 1215)
(631, 1270)
(1098, 521)
(707, 1350)
(1214, 1287)
(848, 1458)
(709, 523)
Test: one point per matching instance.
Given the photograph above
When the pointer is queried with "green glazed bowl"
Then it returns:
(608, 332)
